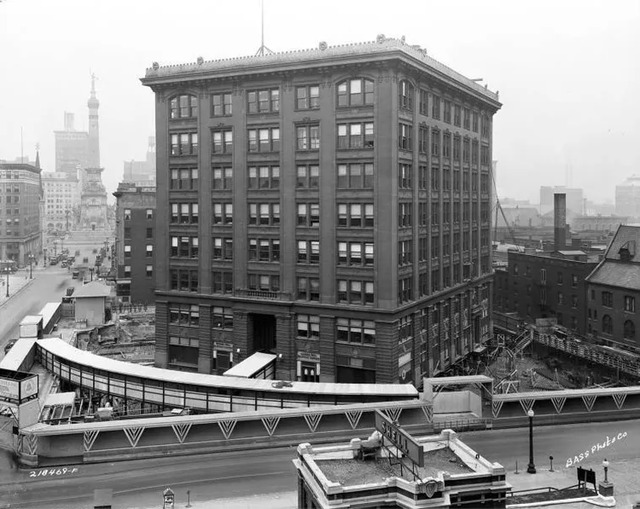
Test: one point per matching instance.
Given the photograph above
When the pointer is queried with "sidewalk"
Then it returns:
(17, 282)
(624, 474)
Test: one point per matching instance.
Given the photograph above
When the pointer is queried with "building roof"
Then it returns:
(382, 48)
(626, 236)
(19, 166)
(93, 289)
(624, 275)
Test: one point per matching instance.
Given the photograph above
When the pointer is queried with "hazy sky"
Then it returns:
(568, 71)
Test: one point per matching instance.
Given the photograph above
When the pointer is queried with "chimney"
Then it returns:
(68, 121)
(559, 221)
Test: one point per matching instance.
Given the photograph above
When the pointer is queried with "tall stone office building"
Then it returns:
(330, 205)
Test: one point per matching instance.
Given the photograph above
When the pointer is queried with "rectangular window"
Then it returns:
(184, 315)
(264, 140)
(149, 250)
(447, 112)
(184, 213)
(423, 140)
(404, 290)
(424, 102)
(221, 105)
(184, 144)
(149, 214)
(222, 178)
(355, 176)
(308, 214)
(355, 254)
(308, 137)
(149, 270)
(264, 177)
(404, 252)
(221, 318)
(457, 114)
(308, 327)
(405, 136)
(308, 177)
(222, 248)
(264, 214)
(435, 143)
(222, 281)
(355, 215)
(222, 213)
(222, 141)
(405, 172)
(356, 135)
(404, 214)
(184, 178)
(308, 97)
(435, 107)
(362, 332)
(264, 101)
(264, 250)
(406, 95)
(355, 292)
(309, 251)
(629, 304)
(308, 288)
(263, 282)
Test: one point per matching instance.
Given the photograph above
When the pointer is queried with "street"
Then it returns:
(48, 285)
(266, 478)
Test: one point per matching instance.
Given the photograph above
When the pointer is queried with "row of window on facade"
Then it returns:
(349, 291)
(349, 215)
(628, 326)
(607, 300)
(349, 176)
(354, 92)
(436, 321)
(358, 135)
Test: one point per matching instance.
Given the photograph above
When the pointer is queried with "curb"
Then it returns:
(16, 293)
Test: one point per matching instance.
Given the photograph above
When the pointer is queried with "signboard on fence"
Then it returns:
(586, 476)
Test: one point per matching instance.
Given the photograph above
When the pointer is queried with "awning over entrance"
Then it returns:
(258, 365)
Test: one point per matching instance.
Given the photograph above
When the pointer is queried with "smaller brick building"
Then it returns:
(540, 285)
(614, 289)
(134, 251)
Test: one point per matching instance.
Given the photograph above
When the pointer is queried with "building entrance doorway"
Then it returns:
(263, 332)
(309, 372)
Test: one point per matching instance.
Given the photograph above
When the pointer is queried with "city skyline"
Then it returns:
(579, 112)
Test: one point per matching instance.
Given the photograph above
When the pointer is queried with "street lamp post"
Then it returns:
(7, 270)
(531, 468)
(605, 464)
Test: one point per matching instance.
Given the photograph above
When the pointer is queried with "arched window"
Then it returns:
(629, 330)
(607, 324)
(183, 106)
(355, 92)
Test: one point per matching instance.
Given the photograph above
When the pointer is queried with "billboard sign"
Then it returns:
(399, 438)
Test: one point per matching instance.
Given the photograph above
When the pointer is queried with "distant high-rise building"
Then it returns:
(142, 173)
(20, 223)
(628, 197)
(575, 199)
(72, 148)
(61, 195)
(77, 150)
(330, 205)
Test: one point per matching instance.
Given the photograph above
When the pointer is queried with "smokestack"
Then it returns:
(559, 221)
(68, 121)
